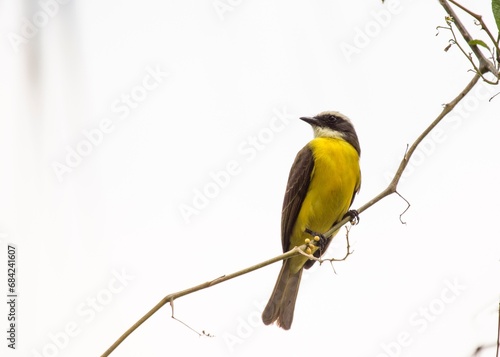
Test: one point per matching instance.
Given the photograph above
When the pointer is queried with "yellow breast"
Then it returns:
(335, 177)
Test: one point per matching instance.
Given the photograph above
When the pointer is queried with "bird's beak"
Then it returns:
(310, 120)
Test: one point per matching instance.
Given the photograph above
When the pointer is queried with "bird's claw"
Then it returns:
(319, 238)
(353, 215)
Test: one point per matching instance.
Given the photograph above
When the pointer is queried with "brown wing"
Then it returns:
(296, 189)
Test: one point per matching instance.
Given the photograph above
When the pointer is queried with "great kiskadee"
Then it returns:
(322, 183)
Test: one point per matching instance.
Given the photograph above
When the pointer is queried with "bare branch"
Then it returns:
(171, 297)
(454, 41)
(406, 209)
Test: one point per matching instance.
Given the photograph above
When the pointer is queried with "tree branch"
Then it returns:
(171, 297)
(485, 65)
(479, 18)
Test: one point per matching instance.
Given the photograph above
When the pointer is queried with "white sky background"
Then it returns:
(117, 212)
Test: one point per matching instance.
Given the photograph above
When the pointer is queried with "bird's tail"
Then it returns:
(282, 301)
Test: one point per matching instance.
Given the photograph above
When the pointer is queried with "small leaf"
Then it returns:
(495, 5)
(478, 42)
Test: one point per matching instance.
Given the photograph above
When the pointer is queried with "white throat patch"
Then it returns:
(320, 132)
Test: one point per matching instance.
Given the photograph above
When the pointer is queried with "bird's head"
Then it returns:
(331, 124)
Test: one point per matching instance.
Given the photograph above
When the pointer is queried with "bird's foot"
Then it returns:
(353, 215)
(320, 239)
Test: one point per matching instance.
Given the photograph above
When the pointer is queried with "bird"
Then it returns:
(322, 184)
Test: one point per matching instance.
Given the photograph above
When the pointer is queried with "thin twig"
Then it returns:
(406, 209)
(189, 327)
(331, 260)
(479, 18)
(171, 297)
(455, 42)
(485, 65)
